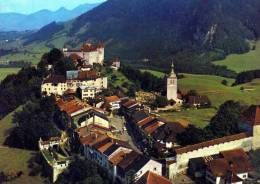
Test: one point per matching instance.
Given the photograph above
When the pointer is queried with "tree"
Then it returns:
(35, 121)
(83, 172)
(224, 82)
(227, 119)
(160, 101)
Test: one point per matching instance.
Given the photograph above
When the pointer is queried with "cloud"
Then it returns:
(29, 6)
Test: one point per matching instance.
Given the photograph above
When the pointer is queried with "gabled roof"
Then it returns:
(118, 157)
(252, 115)
(153, 178)
(139, 116)
(87, 75)
(55, 79)
(71, 106)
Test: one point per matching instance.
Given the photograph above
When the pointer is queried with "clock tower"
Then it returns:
(172, 85)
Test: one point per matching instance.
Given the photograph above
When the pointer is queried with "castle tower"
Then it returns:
(172, 85)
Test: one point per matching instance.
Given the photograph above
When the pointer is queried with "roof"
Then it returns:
(55, 79)
(118, 157)
(71, 106)
(153, 178)
(239, 159)
(92, 139)
(252, 115)
(90, 48)
(218, 167)
(190, 148)
(198, 99)
(75, 57)
(150, 129)
(111, 99)
(139, 115)
(129, 104)
(168, 132)
(146, 120)
(83, 75)
(129, 160)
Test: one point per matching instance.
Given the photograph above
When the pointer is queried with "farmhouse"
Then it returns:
(91, 54)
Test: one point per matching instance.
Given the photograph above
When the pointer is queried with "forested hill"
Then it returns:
(154, 29)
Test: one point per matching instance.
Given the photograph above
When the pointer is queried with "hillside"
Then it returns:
(34, 21)
(242, 62)
(136, 29)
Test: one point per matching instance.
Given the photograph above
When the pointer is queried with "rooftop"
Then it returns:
(153, 178)
(111, 99)
(55, 79)
(71, 106)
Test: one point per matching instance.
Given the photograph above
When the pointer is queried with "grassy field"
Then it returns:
(15, 160)
(155, 73)
(198, 117)
(211, 86)
(242, 62)
(119, 81)
(7, 71)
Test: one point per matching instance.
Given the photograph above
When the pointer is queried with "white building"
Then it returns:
(90, 53)
(87, 92)
(55, 84)
(112, 102)
(58, 84)
(172, 86)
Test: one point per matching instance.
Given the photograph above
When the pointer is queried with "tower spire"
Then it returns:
(172, 74)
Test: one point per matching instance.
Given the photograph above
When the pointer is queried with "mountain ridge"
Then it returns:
(195, 32)
(36, 20)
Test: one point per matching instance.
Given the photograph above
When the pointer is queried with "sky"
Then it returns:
(31, 6)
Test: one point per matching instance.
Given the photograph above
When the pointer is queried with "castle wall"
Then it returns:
(182, 160)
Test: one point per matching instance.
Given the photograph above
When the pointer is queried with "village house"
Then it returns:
(55, 155)
(112, 103)
(231, 167)
(54, 84)
(91, 54)
(73, 110)
(117, 157)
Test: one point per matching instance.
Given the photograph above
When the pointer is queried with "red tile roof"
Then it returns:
(150, 129)
(153, 178)
(75, 57)
(111, 99)
(145, 121)
(71, 106)
(87, 75)
(211, 143)
(55, 79)
(129, 103)
(117, 158)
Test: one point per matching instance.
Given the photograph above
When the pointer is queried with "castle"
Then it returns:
(91, 54)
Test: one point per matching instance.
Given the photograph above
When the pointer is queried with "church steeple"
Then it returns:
(172, 74)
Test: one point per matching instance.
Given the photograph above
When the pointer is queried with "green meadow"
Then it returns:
(7, 71)
(242, 62)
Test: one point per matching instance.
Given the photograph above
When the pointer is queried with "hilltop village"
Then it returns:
(126, 138)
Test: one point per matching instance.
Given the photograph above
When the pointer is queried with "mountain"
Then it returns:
(21, 22)
(193, 31)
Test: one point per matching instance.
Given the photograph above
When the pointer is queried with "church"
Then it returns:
(172, 86)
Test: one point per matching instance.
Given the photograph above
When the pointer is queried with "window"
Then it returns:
(155, 169)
